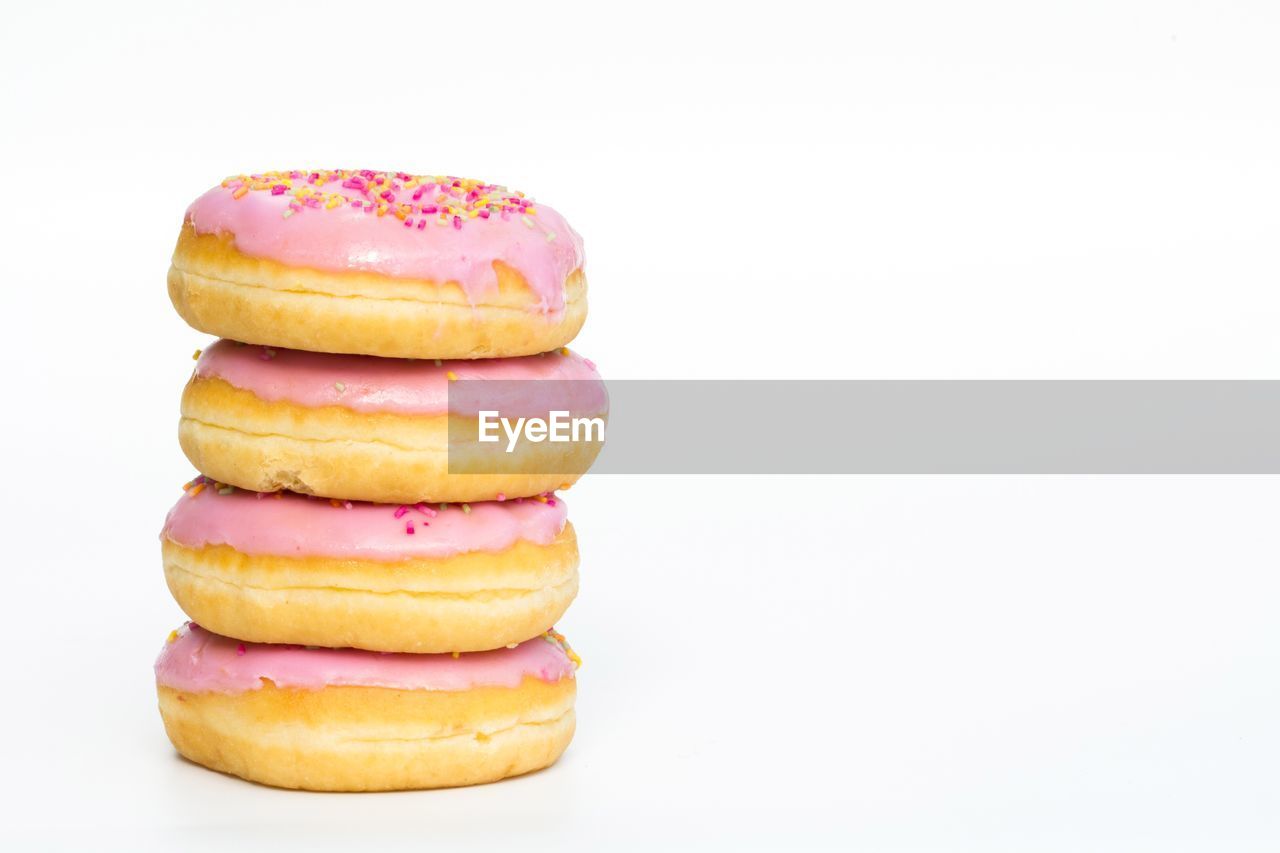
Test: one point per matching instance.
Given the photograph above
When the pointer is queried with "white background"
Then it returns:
(981, 190)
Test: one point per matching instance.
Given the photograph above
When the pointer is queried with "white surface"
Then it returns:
(930, 190)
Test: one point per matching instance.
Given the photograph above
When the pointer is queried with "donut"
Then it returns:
(286, 568)
(379, 263)
(376, 429)
(348, 720)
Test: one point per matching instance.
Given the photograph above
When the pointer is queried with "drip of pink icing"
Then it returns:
(365, 383)
(198, 661)
(347, 238)
(298, 526)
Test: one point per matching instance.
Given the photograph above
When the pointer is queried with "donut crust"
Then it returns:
(467, 602)
(372, 738)
(233, 436)
(219, 290)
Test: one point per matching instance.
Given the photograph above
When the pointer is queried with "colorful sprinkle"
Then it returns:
(453, 377)
(554, 636)
(240, 649)
(196, 355)
(340, 386)
(445, 199)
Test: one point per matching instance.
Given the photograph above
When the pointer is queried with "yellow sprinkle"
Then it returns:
(564, 350)
(240, 192)
(173, 637)
(453, 377)
(455, 655)
(195, 355)
(199, 487)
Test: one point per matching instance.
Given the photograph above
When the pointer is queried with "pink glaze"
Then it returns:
(365, 383)
(293, 525)
(330, 221)
(198, 661)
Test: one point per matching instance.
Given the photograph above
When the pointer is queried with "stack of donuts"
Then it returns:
(364, 617)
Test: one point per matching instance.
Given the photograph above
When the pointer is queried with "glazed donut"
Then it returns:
(379, 263)
(347, 720)
(284, 568)
(374, 429)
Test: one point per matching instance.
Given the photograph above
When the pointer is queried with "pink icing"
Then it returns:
(298, 526)
(349, 235)
(198, 661)
(366, 383)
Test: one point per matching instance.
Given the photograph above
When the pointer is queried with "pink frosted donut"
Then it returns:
(379, 263)
(287, 568)
(375, 429)
(347, 720)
